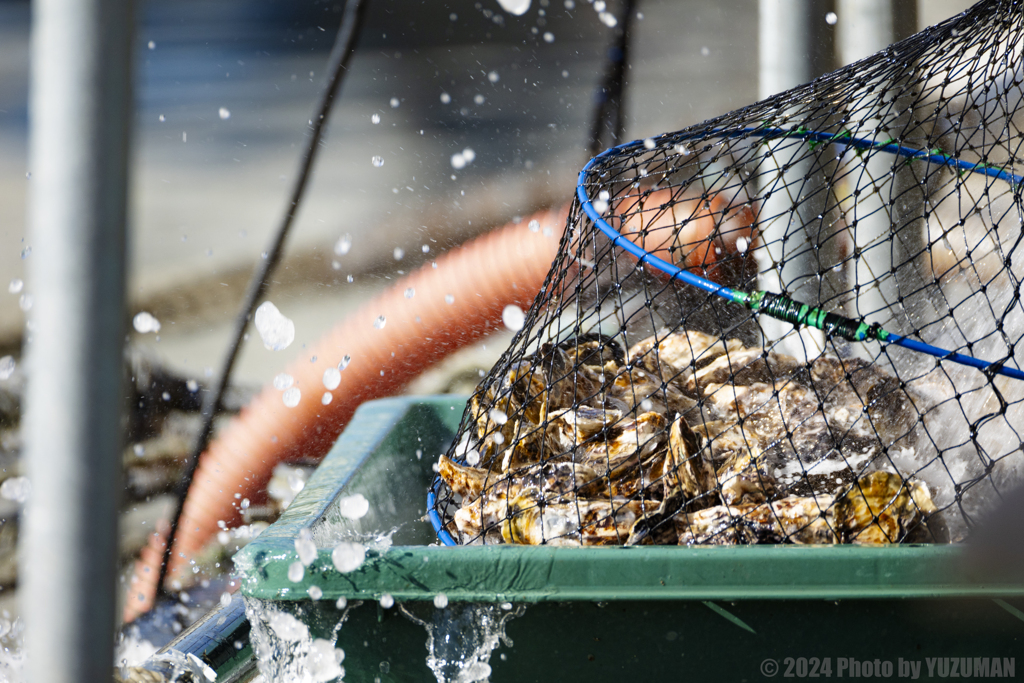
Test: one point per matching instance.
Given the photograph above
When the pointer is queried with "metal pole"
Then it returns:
(795, 45)
(80, 119)
(885, 230)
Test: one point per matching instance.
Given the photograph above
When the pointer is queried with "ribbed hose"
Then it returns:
(504, 267)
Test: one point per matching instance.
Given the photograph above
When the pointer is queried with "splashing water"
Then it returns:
(285, 649)
(144, 322)
(12, 655)
(516, 7)
(462, 636)
(342, 246)
(305, 547)
(16, 489)
(7, 367)
(348, 557)
(276, 331)
(291, 396)
(354, 507)
(332, 378)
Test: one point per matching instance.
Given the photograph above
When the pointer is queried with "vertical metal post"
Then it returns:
(884, 221)
(80, 120)
(795, 46)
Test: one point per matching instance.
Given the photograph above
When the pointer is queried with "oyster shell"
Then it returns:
(687, 438)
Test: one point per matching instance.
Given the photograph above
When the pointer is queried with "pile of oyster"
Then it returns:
(686, 438)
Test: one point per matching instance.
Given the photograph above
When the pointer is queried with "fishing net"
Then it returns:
(799, 322)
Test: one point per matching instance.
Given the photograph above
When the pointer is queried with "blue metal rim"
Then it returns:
(435, 519)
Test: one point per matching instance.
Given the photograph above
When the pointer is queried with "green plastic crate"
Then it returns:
(597, 614)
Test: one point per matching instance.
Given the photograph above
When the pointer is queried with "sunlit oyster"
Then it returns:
(584, 522)
(882, 507)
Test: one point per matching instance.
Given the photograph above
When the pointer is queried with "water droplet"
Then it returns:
(283, 380)
(516, 7)
(332, 378)
(648, 143)
(377, 161)
(7, 366)
(534, 226)
(305, 547)
(386, 601)
(449, 298)
(741, 245)
(445, 98)
(291, 396)
(469, 155)
(831, 18)
(224, 113)
(192, 385)
(342, 603)
(348, 557)
(344, 362)
(144, 322)
(26, 252)
(295, 572)
(603, 195)
(479, 99)
(16, 285)
(162, 118)
(343, 244)
(327, 398)
(498, 416)
(410, 293)
(139, 450)
(394, 103)
(704, 51)
(16, 489)
(151, 45)
(513, 317)
(440, 601)
(276, 331)
(458, 161)
(225, 599)
(493, 77)
(354, 507)
(549, 37)
(608, 19)
(350, 279)
(399, 253)
(314, 593)
(380, 322)
(600, 206)
(375, 119)
(473, 458)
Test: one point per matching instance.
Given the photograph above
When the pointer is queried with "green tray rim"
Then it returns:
(503, 573)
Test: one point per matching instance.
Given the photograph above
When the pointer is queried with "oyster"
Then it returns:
(686, 438)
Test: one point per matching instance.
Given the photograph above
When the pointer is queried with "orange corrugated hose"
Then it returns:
(504, 267)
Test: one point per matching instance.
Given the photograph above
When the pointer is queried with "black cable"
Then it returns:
(609, 124)
(341, 54)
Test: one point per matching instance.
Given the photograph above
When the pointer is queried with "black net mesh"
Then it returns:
(641, 404)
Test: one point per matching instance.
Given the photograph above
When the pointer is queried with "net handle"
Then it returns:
(779, 306)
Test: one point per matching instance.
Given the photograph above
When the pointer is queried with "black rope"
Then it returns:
(341, 55)
(609, 125)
